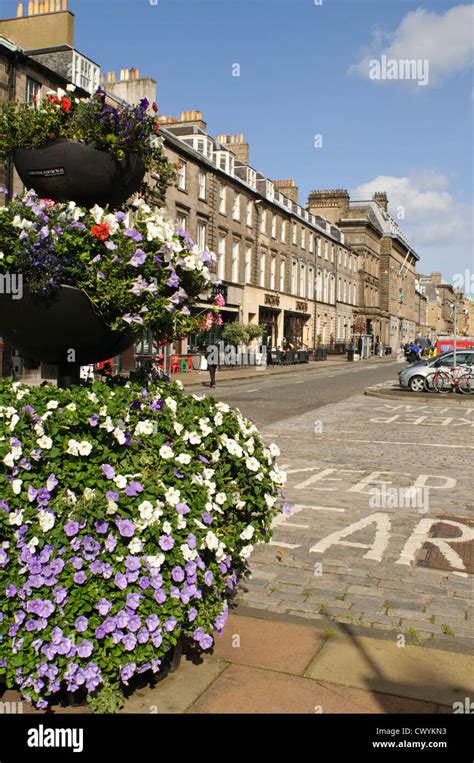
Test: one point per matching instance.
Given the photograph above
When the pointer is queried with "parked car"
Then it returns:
(413, 376)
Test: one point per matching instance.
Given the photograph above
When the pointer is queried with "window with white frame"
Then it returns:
(263, 221)
(273, 272)
(310, 243)
(84, 73)
(282, 274)
(262, 269)
(294, 276)
(339, 282)
(332, 252)
(181, 220)
(221, 256)
(303, 238)
(202, 185)
(353, 294)
(310, 282)
(325, 287)
(222, 199)
(326, 250)
(251, 178)
(33, 92)
(295, 234)
(283, 232)
(201, 235)
(274, 226)
(345, 259)
(303, 280)
(318, 247)
(235, 260)
(344, 292)
(182, 175)
(319, 286)
(249, 213)
(248, 263)
(236, 207)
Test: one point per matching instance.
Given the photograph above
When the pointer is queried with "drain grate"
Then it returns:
(434, 559)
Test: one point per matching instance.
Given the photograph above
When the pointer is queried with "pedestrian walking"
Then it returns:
(210, 353)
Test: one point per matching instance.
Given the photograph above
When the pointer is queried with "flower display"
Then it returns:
(118, 130)
(127, 515)
(138, 269)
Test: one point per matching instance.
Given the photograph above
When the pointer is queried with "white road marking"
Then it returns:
(416, 444)
(317, 508)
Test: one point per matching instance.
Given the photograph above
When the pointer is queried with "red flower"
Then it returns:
(53, 98)
(66, 104)
(154, 107)
(101, 231)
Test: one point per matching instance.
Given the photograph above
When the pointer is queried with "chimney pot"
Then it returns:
(64, 5)
(19, 10)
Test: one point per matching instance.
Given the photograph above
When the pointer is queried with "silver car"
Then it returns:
(414, 375)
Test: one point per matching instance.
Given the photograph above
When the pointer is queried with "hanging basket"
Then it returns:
(67, 171)
(49, 330)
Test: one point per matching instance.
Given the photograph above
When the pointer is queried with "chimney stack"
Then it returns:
(330, 204)
(382, 200)
(237, 144)
(288, 188)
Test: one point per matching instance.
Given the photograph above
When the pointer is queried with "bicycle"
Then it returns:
(445, 379)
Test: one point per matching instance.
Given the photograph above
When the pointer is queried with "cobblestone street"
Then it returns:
(353, 555)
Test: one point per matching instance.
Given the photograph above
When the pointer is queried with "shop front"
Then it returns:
(296, 326)
(269, 316)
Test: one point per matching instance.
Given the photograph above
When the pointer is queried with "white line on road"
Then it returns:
(416, 444)
(300, 506)
(250, 390)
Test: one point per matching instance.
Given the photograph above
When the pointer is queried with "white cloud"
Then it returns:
(446, 41)
(439, 226)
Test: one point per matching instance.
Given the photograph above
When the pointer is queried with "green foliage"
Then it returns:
(114, 490)
(118, 130)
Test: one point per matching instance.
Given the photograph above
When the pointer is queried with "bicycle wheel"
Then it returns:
(442, 383)
(466, 384)
(430, 380)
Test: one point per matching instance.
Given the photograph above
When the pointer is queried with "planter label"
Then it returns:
(50, 172)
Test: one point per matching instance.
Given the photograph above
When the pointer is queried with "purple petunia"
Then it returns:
(80, 577)
(166, 542)
(109, 471)
(125, 527)
(134, 234)
(81, 624)
(71, 528)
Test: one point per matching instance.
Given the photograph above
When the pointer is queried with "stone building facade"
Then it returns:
(386, 262)
(280, 265)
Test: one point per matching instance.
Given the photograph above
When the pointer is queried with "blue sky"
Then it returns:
(295, 82)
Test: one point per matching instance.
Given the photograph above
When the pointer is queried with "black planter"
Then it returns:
(49, 331)
(68, 171)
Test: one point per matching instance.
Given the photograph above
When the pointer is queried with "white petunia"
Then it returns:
(173, 496)
(119, 435)
(120, 481)
(220, 498)
(146, 510)
(252, 464)
(135, 546)
(9, 460)
(246, 551)
(211, 541)
(166, 452)
(16, 518)
(52, 404)
(155, 561)
(183, 458)
(46, 520)
(16, 486)
(172, 404)
(71, 407)
(145, 427)
(167, 529)
(88, 494)
(72, 447)
(85, 448)
(247, 533)
(274, 449)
